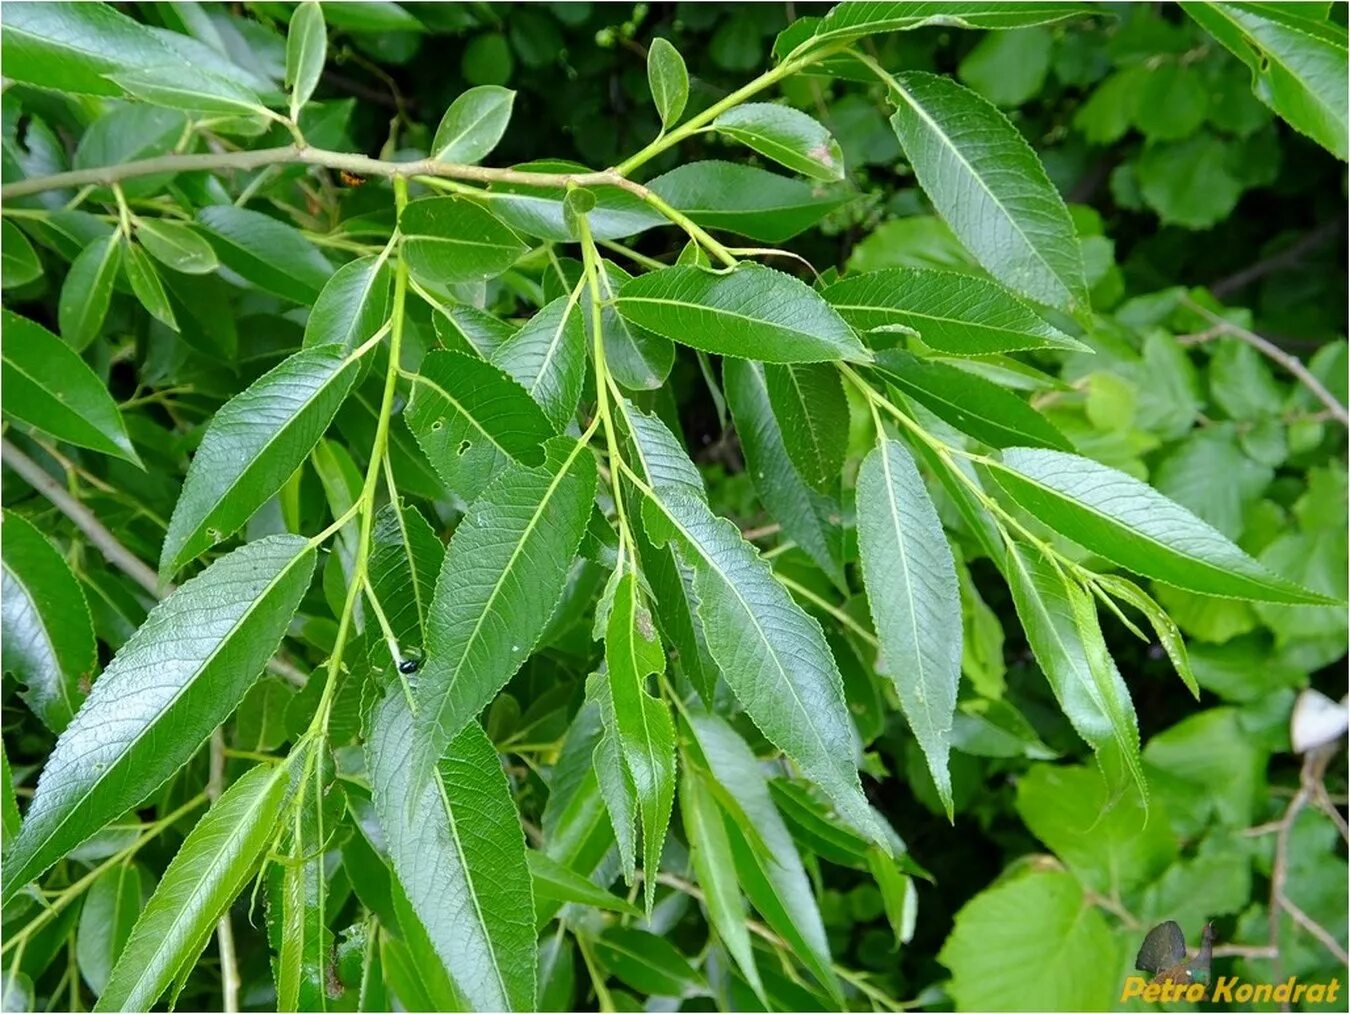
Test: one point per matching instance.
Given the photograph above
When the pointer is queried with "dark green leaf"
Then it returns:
(270, 254)
(812, 411)
(87, 291)
(788, 136)
(145, 283)
(538, 211)
(353, 305)
(648, 963)
(19, 262)
(107, 917)
(547, 357)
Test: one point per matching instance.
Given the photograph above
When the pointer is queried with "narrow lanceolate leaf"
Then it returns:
(1127, 522)
(1067, 642)
(504, 571)
(771, 653)
(987, 412)
(614, 781)
(752, 312)
(87, 291)
(788, 136)
(107, 919)
(188, 88)
(854, 20)
(636, 358)
(471, 420)
(547, 357)
(668, 80)
(458, 850)
(270, 254)
(46, 637)
(181, 674)
(646, 734)
(770, 870)
(405, 557)
(1169, 634)
(986, 181)
(306, 50)
(211, 867)
(810, 518)
(10, 820)
(961, 315)
(473, 124)
(714, 865)
(915, 600)
(252, 446)
(448, 240)
(49, 387)
(809, 403)
(353, 305)
(556, 882)
(145, 283)
(1298, 63)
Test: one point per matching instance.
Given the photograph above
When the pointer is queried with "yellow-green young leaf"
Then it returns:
(471, 420)
(179, 676)
(473, 124)
(989, 185)
(176, 246)
(989, 413)
(1169, 635)
(46, 637)
(19, 262)
(915, 600)
(504, 571)
(448, 240)
(145, 283)
(306, 50)
(771, 653)
(252, 446)
(1064, 636)
(270, 254)
(714, 866)
(107, 917)
(788, 136)
(1298, 63)
(1127, 522)
(961, 315)
(211, 867)
(752, 312)
(456, 844)
(547, 357)
(87, 291)
(645, 733)
(49, 387)
(353, 305)
(668, 80)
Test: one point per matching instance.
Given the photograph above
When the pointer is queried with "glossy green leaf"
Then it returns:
(772, 654)
(194, 90)
(107, 918)
(646, 962)
(547, 357)
(19, 262)
(353, 305)
(809, 403)
(145, 283)
(457, 847)
(752, 312)
(129, 132)
(1298, 63)
(210, 869)
(1122, 519)
(958, 314)
(751, 202)
(916, 604)
(471, 419)
(87, 291)
(252, 446)
(306, 50)
(854, 20)
(177, 246)
(503, 573)
(553, 880)
(809, 517)
(181, 675)
(788, 136)
(987, 412)
(645, 733)
(991, 188)
(638, 359)
(668, 80)
(473, 124)
(49, 387)
(47, 638)
(448, 240)
(268, 253)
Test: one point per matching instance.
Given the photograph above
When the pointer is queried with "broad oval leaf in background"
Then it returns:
(986, 181)
(751, 312)
(474, 123)
(178, 677)
(252, 446)
(448, 240)
(1129, 523)
(270, 254)
(107, 918)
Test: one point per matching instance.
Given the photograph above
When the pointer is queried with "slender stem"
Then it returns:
(803, 592)
(229, 966)
(695, 231)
